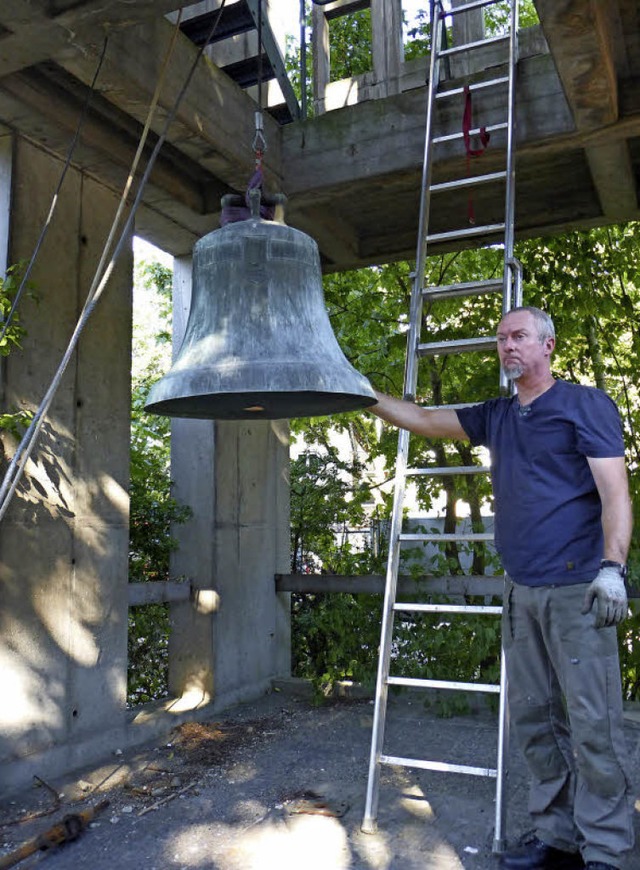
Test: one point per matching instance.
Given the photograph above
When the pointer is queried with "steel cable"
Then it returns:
(25, 448)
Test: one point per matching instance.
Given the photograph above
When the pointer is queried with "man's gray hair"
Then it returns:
(544, 323)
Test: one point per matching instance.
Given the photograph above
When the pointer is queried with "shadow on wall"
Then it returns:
(63, 621)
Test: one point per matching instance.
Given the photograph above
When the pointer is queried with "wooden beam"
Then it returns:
(157, 592)
(386, 44)
(373, 584)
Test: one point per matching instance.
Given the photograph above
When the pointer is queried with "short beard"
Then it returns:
(513, 372)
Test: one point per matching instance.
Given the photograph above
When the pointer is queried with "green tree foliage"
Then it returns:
(336, 635)
(12, 420)
(589, 283)
(153, 509)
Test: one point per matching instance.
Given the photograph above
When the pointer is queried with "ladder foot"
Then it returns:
(499, 846)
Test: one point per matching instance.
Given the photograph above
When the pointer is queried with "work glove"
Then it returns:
(609, 591)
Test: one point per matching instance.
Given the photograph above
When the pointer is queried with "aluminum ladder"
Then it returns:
(510, 286)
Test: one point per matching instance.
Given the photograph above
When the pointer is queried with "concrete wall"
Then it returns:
(64, 540)
(234, 476)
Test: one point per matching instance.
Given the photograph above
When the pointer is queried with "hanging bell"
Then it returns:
(258, 342)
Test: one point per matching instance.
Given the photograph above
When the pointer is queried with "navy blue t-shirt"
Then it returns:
(547, 508)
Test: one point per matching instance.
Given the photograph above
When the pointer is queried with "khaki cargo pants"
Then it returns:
(565, 706)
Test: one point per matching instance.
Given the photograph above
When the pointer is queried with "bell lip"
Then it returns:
(274, 405)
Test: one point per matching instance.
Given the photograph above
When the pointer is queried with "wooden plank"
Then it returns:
(157, 592)
(215, 123)
(386, 44)
(373, 584)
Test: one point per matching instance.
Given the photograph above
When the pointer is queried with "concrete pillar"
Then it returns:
(227, 645)
(64, 540)
(467, 27)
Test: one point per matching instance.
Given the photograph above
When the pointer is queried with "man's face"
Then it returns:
(519, 347)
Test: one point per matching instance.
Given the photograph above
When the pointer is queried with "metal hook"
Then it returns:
(259, 142)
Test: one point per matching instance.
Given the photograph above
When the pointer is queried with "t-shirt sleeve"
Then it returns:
(474, 422)
(598, 426)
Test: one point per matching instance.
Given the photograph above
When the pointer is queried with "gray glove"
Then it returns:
(609, 591)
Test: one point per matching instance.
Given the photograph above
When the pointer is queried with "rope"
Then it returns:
(25, 448)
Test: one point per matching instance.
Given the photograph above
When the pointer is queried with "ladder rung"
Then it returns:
(448, 469)
(451, 137)
(448, 536)
(470, 46)
(489, 609)
(475, 86)
(416, 683)
(487, 229)
(438, 765)
(470, 181)
(459, 345)
(472, 4)
(470, 288)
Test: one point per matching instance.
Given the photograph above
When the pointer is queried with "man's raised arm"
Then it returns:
(441, 423)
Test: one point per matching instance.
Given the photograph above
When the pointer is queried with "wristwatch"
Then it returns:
(609, 563)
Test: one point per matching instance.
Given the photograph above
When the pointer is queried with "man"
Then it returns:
(563, 526)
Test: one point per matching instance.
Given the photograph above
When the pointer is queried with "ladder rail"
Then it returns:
(410, 383)
(511, 286)
(509, 210)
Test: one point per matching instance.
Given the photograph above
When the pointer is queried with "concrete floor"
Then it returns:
(281, 783)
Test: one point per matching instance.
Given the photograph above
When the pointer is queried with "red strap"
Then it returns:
(466, 127)
(471, 152)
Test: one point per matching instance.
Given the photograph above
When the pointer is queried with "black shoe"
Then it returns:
(536, 855)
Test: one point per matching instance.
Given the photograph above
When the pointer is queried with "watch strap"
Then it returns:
(610, 563)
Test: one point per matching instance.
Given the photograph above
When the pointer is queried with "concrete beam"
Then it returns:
(384, 137)
(614, 179)
(37, 30)
(334, 236)
(582, 38)
(215, 123)
(36, 101)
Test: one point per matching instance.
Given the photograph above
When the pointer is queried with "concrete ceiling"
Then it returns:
(352, 176)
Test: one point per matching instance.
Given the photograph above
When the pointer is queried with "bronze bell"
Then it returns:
(258, 342)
